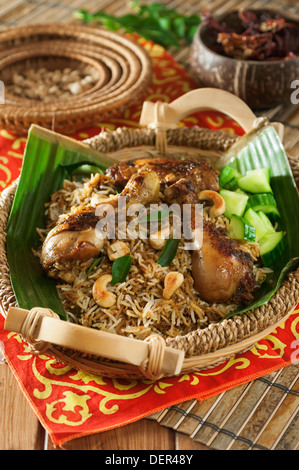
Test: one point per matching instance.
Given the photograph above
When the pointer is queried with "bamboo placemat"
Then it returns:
(260, 415)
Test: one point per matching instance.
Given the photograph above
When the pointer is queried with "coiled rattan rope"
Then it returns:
(28, 331)
(152, 368)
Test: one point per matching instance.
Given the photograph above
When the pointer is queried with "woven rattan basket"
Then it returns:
(120, 67)
(154, 357)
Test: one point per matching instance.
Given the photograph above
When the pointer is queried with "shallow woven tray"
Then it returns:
(122, 69)
(202, 348)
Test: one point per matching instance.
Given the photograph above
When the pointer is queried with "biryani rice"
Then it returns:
(140, 309)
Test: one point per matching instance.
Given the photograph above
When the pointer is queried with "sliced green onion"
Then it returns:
(94, 264)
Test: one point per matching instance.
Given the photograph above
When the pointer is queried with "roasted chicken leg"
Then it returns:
(75, 236)
(221, 270)
(199, 173)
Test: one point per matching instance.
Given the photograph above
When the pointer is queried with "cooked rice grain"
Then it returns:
(140, 308)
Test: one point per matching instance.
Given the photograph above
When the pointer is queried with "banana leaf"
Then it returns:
(50, 158)
(262, 148)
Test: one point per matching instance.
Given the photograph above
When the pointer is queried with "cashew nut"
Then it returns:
(157, 240)
(172, 282)
(102, 296)
(117, 250)
(218, 207)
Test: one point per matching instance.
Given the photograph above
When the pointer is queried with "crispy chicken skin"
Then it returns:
(221, 270)
(142, 188)
(75, 236)
(200, 173)
(69, 245)
(181, 192)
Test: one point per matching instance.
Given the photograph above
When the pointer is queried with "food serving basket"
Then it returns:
(112, 355)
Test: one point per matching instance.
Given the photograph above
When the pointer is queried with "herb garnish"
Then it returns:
(94, 264)
(120, 269)
(169, 251)
(156, 22)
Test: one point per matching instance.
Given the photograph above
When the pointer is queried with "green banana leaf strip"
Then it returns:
(266, 293)
(48, 160)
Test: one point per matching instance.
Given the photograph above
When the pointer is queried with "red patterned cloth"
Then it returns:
(71, 403)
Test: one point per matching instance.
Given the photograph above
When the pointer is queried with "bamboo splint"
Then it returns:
(41, 326)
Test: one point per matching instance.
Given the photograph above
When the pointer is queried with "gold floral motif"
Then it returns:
(6, 171)
(215, 122)
(237, 362)
(230, 130)
(17, 141)
(260, 348)
(194, 380)
(72, 401)
(160, 386)
(82, 382)
(155, 50)
(295, 323)
(15, 154)
(278, 346)
(86, 378)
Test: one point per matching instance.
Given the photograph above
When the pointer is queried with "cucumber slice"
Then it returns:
(261, 201)
(239, 229)
(240, 191)
(253, 219)
(228, 178)
(272, 246)
(266, 222)
(256, 181)
(264, 202)
(235, 203)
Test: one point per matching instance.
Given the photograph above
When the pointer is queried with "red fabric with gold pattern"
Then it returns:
(70, 403)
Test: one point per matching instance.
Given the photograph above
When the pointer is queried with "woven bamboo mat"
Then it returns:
(260, 415)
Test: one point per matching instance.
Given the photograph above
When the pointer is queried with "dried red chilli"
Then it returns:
(258, 37)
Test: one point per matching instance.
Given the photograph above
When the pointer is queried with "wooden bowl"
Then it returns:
(261, 84)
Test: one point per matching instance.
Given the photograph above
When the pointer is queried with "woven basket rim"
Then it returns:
(230, 336)
(106, 47)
